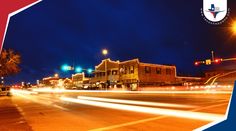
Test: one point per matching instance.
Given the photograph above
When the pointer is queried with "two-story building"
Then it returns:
(133, 74)
(106, 73)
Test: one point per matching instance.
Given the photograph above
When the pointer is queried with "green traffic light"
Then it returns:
(90, 70)
(78, 69)
(65, 67)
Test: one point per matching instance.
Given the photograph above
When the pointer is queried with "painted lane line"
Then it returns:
(159, 104)
(149, 110)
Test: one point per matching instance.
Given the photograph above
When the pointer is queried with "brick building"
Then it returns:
(133, 73)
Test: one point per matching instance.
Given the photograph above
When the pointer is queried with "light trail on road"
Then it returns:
(149, 110)
(37, 99)
(136, 102)
(57, 90)
(14, 91)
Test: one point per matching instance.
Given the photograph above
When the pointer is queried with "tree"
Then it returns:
(9, 62)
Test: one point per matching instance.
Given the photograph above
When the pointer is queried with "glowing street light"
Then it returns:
(56, 75)
(104, 52)
(234, 27)
(196, 63)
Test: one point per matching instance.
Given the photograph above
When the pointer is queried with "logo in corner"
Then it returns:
(215, 11)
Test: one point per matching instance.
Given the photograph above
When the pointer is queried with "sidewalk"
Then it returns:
(10, 117)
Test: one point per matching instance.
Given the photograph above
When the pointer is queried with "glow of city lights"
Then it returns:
(149, 110)
(78, 69)
(135, 102)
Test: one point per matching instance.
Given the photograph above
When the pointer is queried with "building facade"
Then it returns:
(106, 73)
(79, 80)
(133, 74)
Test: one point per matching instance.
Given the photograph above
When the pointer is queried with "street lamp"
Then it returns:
(104, 52)
(56, 75)
(234, 27)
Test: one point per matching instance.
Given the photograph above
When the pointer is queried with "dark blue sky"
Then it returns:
(157, 31)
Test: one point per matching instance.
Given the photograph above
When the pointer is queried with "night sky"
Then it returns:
(55, 32)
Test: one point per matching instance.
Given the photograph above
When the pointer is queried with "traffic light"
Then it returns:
(78, 69)
(90, 70)
(217, 61)
(65, 67)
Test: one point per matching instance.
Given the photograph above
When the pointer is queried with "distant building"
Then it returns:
(50, 81)
(79, 79)
(183, 80)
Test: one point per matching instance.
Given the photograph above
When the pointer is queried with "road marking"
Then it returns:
(149, 110)
(159, 104)
(148, 119)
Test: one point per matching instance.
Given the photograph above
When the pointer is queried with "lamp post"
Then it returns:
(2, 81)
(56, 75)
(234, 27)
(105, 52)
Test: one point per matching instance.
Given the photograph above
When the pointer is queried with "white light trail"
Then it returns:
(59, 90)
(27, 95)
(149, 110)
(159, 104)
(14, 91)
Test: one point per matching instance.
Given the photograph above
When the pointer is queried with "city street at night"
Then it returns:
(117, 65)
(111, 110)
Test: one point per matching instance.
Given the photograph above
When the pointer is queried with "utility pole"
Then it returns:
(212, 56)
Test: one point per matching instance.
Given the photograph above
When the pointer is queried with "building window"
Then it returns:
(125, 72)
(131, 69)
(168, 71)
(158, 70)
(147, 69)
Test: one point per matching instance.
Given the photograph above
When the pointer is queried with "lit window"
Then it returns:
(131, 69)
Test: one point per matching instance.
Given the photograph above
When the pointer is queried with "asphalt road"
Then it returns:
(93, 111)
